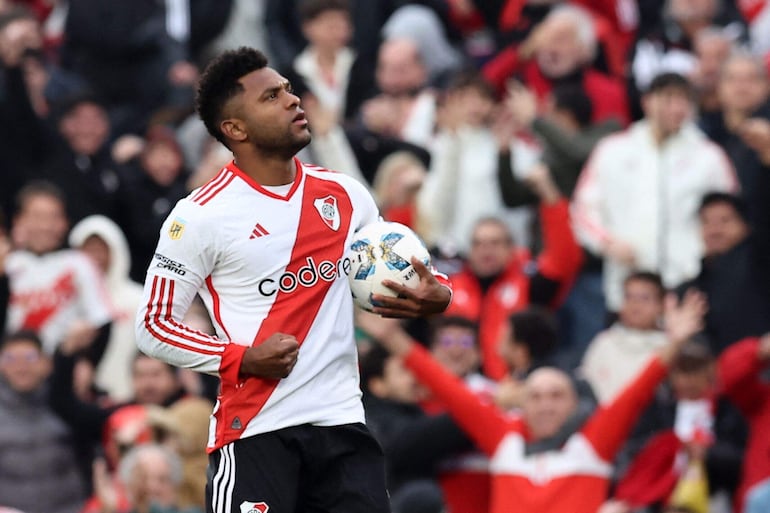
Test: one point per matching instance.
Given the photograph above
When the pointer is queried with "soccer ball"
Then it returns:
(383, 251)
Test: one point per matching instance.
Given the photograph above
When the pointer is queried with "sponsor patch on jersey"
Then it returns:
(165, 262)
(327, 209)
(176, 229)
(254, 507)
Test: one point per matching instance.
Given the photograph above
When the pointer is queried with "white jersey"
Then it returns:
(51, 291)
(262, 263)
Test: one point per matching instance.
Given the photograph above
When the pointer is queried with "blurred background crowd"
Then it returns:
(569, 163)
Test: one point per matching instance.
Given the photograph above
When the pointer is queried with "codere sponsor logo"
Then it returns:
(306, 276)
(172, 265)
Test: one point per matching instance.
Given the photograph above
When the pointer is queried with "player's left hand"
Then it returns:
(428, 298)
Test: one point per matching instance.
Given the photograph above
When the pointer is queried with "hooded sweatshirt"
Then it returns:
(113, 373)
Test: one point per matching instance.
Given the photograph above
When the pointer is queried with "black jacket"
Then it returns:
(142, 209)
(412, 441)
(737, 283)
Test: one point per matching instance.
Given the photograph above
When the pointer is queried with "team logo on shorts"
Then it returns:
(254, 507)
(176, 229)
(327, 209)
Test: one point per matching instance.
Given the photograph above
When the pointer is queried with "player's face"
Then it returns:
(270, 114)
(41, 224)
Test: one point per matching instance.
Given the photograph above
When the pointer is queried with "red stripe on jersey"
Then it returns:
(159, 310)
(211, 194)
(257, 187)
(314, 237)
(180, 329)
(210, 184)
(217, 311)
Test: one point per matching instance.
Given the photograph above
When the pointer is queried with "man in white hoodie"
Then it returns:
(103, 241)
(637, 198)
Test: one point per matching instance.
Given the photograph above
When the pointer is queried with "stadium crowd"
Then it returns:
(594, 176)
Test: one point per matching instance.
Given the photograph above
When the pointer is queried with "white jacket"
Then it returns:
(462, 186)
(648, 196)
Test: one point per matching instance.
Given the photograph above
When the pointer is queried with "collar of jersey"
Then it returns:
(254, 185)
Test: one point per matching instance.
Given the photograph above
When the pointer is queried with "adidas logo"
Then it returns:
(236, 424)
(258, 231)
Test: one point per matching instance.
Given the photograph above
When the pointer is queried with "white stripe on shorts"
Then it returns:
(224, 481)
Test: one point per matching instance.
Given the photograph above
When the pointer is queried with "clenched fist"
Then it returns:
(274, 358)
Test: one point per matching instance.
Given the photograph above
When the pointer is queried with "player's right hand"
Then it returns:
(274, 358)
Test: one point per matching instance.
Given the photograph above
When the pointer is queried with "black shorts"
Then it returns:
(300, 469)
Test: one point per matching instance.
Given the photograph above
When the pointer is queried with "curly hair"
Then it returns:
(219, 83)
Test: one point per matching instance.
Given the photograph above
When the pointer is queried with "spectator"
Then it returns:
(328, 68)
(184, 430)
(149, 48)
(38, 471)
(332, 81)
(565, 131)
(568, 137)
(154, 182)
(402, 115)
(743, 91)
(412, 441)
(423, 25)
(686, 425)
(734, 268)
(397, 183)
(103, 241)
(618, 354)
(53, 288)
(148, 482)
(739, 370)
(20, 43)
(712, 48)
(109, 424)
(68, 145)
(528, 343)
(284, 30)
(614, 22)
(637, 197)
(522, 477)
(462, 186)
(501, 278)
(667, 46)
(464, 477)
(559, 51)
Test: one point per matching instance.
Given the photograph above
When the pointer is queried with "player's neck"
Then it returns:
(267, 170)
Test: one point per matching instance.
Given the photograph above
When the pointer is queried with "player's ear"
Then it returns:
(233, 128)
